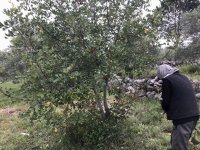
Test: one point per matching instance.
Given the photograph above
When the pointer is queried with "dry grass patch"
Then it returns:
(10, 124)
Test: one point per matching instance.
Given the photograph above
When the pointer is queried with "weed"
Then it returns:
(192, 71)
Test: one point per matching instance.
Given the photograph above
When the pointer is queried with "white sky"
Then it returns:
(154, 3)
(4, 43)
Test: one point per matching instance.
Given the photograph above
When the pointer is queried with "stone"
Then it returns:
(152, 81)
(131, 90)
(150, 88)
(139, 81)
(158, 96)
(151, 95)
(198, 95)
(127, 80)
(141, 93)
(160, 82)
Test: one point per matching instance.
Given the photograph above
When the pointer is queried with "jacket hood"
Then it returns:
(165, 70)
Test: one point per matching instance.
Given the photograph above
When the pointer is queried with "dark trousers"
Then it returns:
(181, 134)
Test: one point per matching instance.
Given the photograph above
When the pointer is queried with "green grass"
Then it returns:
(9, 126)
(18, 133)
(11, 89)
(146, 128)
(10, 85)
(192, 71)
(9, 120)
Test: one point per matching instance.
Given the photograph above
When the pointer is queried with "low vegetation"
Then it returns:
(193, 71)
(145, 128)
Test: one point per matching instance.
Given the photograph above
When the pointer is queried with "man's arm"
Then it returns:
(166, 95)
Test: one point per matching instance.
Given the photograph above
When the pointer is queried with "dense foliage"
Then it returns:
(179, 29)
(190, 49)
(11, 66)
(71, 50)
(172, 11)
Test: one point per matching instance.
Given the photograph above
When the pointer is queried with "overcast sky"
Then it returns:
(4, 43)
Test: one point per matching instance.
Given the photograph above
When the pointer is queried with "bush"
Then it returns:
(194, 69)
(84, 131)
(190, 69)
(145, 128)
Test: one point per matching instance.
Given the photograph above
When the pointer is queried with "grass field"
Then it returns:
(9, 88)
(11, 126)
(147, 127)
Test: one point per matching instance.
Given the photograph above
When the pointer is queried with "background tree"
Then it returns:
(11, 66)
(172, 11)
(190, 49)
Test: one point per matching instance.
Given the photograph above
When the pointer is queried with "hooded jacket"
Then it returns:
(178, 95)
(165, 70)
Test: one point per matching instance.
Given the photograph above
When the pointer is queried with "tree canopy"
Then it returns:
(172, 12)
(73, 47)
(190, 49)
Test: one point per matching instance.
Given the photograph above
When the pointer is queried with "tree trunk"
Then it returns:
(105, 100)
(99, 103)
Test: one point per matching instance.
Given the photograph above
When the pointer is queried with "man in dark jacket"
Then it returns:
(180, 105)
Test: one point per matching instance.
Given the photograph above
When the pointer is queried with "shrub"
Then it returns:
(85, 129)
(194, 69)
(190, 69)
(145, 128)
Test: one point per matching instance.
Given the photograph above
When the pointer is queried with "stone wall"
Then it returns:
(150, 88)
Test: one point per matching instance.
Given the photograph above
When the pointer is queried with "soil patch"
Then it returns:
(10, 111)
